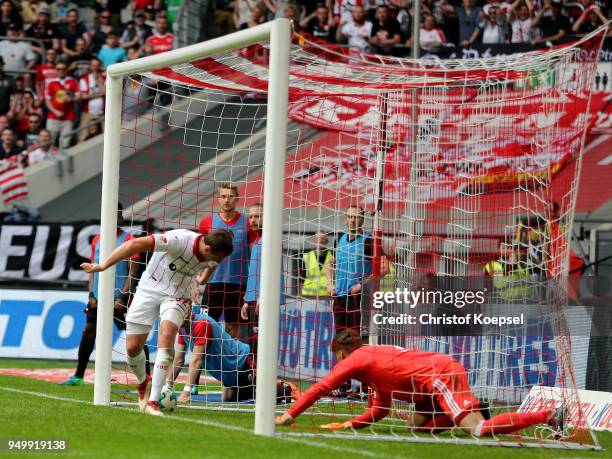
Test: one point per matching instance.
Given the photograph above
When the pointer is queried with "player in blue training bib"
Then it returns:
(226, 359)
(351, 266)
(125, 279)
(225, 289)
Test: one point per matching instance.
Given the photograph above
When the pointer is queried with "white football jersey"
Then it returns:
(174, 265)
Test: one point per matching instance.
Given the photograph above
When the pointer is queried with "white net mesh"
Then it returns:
(465, 173)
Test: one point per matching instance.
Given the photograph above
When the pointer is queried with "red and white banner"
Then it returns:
(13, 185)
(592, 408)
(462, 146)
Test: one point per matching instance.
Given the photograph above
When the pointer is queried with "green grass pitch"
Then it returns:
(33, 409)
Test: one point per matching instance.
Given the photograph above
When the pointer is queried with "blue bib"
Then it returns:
(233, 269)
(253, 284)
(122, 269)
(352, 266)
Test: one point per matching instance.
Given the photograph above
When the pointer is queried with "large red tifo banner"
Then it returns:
(464, 142)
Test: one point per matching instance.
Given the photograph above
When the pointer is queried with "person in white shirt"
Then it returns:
(92, 88)
(492, 30)
(43, 149)
(521, 17)
(503, 7)
(357, 31)
(431, 38)
(166, 289)
(343, 9)
(18, 55)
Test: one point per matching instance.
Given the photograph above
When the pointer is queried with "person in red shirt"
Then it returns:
(60, 95)
(435, 383)
(45, 72)
(162, 40)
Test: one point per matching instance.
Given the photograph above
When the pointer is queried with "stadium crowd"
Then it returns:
(52, 63)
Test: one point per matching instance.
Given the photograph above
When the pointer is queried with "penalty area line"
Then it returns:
(173, 417)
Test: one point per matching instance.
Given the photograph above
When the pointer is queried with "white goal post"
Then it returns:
(278, 33)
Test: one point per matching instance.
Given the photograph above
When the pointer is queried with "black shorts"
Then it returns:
(245, 388)
(226, 299)
(118, 317)
(347, 313)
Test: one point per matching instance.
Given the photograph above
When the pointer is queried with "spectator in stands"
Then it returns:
(242, 12)
(44, 31)
(258, 16)
(291, 12)
(404, 18)
(502, 7)
(309, 7)
(99, 34)
(78, 65)
(150, 16)
(136, 32)
(59, 11)
(18, 55)
(357, 31)
(552, 22)
(385, 31)
(71, 31)
(320, 24)
(162, 40)
(22, 106)
(431, 39)
(29, 10)
(45, 71)
(143, 51)
(92, 88)
(28, 83)
(114, 7)
(4, 123)
(490, 31)
(60, 95)
(142, 5)
(8, 146)
(521, 20)
(223, 17)
(112, 52)
(590, 20)
(343, 9)
(468, 16)
(8, 15)
(42, 149)
(30, 137)
(6, 88)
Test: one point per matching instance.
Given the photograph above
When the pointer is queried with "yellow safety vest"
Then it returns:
(315, 283)
(387, 283)
(514, 285)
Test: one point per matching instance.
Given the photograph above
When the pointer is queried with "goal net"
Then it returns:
(455, 177)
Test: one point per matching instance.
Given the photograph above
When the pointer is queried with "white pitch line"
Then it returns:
(173, 417)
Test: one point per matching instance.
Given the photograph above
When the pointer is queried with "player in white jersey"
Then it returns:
(165, 290)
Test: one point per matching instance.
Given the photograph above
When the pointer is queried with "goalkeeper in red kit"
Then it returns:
(436, 383)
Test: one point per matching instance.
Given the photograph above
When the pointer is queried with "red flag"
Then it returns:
(13, 185)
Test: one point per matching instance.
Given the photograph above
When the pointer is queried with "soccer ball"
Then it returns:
(167, 399)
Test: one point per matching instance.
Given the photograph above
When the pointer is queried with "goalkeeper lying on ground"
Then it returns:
(436, 383)
(226, 359)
